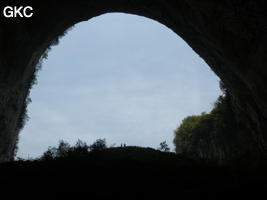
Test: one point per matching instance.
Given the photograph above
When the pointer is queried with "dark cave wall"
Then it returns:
(229, 36)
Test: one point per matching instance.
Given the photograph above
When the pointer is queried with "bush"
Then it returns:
(80, 149)
(98, 145)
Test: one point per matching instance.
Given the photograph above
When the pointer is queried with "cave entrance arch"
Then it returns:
(231, 41)
(128, 68)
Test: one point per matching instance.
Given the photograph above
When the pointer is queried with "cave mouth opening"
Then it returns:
(118, 76)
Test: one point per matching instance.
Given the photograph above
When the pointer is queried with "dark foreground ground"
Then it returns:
(130, 173)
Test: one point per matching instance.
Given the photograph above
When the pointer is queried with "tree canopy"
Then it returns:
(212, 135)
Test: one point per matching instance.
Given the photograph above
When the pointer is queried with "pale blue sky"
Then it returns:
(122, 77)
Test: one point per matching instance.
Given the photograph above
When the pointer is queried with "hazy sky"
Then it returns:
(122, 77)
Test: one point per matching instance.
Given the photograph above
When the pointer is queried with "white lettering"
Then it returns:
(20, 11)
(8, 12)
(17, 11)
(25, 11)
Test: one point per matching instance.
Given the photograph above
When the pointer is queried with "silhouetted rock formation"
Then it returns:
(229, 35)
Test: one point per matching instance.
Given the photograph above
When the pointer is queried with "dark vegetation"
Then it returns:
(213, 136)
(209, 135)
(98, 170)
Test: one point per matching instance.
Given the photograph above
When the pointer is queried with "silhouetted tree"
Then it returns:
(49, 154)
(98, 145)
(80, 149)
(63, 148)
(163, 146)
